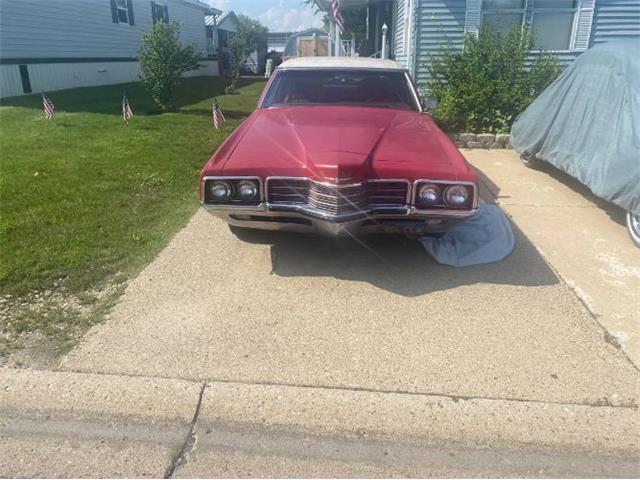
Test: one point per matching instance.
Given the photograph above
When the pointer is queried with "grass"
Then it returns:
(85, 198)
(85, 195)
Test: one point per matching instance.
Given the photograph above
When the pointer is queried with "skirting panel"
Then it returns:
(59, 76)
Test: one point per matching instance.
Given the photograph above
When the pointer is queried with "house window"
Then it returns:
(122, 11)
(501, 15)
(159, 12)
(552, 24)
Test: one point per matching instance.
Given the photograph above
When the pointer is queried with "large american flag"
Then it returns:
(337, 16)
(218, 117)
(127, 113)
(48, 107)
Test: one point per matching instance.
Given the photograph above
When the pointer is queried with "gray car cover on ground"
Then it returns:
(587, 123)
(484, 238)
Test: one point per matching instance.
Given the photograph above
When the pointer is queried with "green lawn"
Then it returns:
(86, 198)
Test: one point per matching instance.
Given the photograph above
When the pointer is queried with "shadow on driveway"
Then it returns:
(394, 263)
(614, 212)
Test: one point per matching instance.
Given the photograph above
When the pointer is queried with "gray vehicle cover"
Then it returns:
(484, 238)
(587, 123)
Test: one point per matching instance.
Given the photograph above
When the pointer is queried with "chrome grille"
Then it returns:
(387, 193)
(336, 199)
(292, 192)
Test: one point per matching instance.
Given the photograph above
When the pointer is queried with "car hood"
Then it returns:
(337, 143)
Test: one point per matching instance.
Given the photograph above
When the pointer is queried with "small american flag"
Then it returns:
(48, 107)
(337, 16)
(218, 117)
(127, 113)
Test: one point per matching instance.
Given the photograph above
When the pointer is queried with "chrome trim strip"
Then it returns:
(414, 90)
(307, 179)
(443, 213)
(240, 208)
(232, 206)
(341, 217)
(454, 212)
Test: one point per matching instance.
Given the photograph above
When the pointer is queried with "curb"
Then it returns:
(185, 427)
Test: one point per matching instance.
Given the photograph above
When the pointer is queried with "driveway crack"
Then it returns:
(190, 441)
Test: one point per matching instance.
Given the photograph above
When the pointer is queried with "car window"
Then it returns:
(340, 87)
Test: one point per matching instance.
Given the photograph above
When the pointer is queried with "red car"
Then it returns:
(339, 145)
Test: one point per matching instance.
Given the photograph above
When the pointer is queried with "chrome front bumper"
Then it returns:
(293, 218)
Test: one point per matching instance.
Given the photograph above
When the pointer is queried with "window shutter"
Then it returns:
(130, 11)
(114, 11)
(583, 25)
(166, 14)
(153, 12)
(472, 17)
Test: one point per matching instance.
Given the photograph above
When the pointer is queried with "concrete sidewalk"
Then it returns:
(65, 424)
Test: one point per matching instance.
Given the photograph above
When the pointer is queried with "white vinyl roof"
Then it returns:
(341, 62)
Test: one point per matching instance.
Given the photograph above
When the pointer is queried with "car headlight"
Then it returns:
(247, 190)
(456, 195)
(429, 194)
(220, 191)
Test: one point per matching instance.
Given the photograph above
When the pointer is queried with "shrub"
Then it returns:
(162, 60)
(484, 87)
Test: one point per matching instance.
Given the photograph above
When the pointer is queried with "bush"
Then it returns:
(483, 88)
(162, 60)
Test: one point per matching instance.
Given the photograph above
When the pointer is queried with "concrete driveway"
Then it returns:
(309, 325)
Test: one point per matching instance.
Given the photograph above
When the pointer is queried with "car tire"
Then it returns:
(530, 160)
(633, 225)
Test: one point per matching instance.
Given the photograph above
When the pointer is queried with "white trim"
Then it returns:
(124, 9)
(529, 6)
(408, 27)
(472, 17)
(584, 19)
(522, 11)
(572, 33)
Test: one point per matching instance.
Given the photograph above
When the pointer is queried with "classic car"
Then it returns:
(339, 145)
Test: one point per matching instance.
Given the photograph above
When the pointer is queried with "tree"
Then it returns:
(250, 36)
(162, 60)
(483, 87)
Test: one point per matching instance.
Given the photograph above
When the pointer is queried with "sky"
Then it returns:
(277, 15)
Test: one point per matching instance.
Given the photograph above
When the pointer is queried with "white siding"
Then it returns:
(10, 84)
(84, 28)
(401, 55)
(616, 20)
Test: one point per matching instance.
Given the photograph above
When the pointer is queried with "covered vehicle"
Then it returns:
(340, 146)
(587, 123)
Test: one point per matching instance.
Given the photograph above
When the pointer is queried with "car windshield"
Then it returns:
(341, 87)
